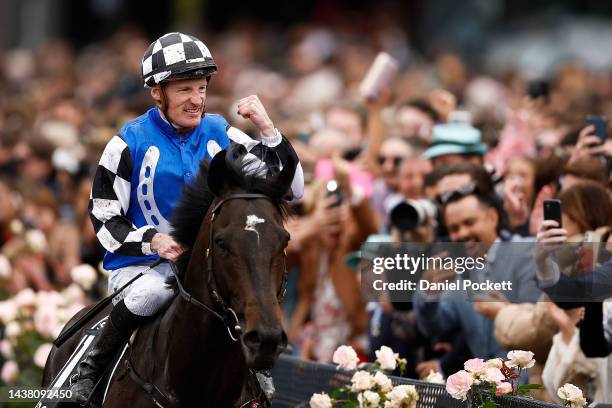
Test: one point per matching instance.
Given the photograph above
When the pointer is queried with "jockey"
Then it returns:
(139, 179)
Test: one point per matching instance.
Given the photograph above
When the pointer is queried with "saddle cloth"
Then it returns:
(62, 380)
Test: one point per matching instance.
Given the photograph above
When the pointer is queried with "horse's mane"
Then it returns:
(197, 197)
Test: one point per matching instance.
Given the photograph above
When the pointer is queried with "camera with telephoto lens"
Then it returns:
(406, 214)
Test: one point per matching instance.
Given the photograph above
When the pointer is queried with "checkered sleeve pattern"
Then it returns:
(172, 53)
(110, 200)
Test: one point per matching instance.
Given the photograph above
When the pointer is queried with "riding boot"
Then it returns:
(117, 330)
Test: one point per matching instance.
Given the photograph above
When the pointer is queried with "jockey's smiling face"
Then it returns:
(186, 101)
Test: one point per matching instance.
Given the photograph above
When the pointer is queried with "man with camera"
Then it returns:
(473, 218)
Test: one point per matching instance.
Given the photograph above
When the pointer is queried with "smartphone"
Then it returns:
(601, 126)
(381, 73)
(552, 211)
(333, 189)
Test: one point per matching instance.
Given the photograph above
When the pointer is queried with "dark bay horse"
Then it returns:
(227, 321)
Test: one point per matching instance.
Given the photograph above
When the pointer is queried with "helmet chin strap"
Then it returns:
(164, 109)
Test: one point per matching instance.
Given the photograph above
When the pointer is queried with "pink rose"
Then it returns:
(503, 388)
(10, 372)
(46, 320)
(494, 375)
(459, 384)
(41, 354)
(475, 366)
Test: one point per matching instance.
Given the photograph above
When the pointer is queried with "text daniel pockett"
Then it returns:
(464, 284)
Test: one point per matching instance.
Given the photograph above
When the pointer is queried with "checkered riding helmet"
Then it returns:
(176, 56)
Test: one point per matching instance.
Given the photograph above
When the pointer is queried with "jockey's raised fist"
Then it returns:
(251, 108)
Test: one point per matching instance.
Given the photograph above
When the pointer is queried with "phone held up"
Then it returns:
(333, 189)
(552, 211)
(601, 126)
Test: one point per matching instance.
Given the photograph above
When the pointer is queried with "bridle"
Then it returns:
(227, 315)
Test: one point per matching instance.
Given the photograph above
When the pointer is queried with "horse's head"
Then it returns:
(242, 248)
(247, 249)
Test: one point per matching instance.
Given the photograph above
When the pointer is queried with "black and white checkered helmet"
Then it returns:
(176, 56)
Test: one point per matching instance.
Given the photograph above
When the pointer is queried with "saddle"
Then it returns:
(62, 380)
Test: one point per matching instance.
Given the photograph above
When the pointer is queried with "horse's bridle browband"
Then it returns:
(227, 313)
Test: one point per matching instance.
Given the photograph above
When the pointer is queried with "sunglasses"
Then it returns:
(453, 195)
(397, 160)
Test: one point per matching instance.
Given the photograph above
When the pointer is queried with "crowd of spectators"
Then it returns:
(485, 149)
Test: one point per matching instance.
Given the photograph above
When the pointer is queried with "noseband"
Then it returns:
(227, 316)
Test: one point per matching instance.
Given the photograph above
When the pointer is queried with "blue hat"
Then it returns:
(367, 251)
(455, 138)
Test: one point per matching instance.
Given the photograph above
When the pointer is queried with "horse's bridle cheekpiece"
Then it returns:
(227, 316)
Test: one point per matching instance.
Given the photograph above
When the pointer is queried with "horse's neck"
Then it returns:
(189, 349)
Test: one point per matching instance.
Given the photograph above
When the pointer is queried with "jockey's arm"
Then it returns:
(280, 145)
(110, 200)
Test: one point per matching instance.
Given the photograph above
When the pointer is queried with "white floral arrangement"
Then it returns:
(32, 320)
(370, 387)
(84, 275)
(480, 381)
(572, 396)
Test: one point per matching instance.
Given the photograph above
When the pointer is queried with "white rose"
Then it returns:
(6, 348)
(361, 381)
(386, 358)
(73, 294)
(346, 358)
(520, 359)
(383, 382)
(5, 268)
(16, 227)
(12, 330)
(25, 297)
(572, 395)
(41, 354)
(46, 299)
(85, 275)
(10, 372)
(495, 363)
(320, 401)
(434, 377)
(8, 311)
(36, 240)
(368, 399)
(403, 396)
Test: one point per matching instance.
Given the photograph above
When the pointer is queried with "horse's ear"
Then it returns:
(285, 177)
(217, 173)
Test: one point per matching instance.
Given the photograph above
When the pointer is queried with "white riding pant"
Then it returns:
(148, 294)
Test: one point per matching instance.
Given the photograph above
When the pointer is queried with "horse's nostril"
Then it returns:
(252, 339)
(284, 340)
(265, 340)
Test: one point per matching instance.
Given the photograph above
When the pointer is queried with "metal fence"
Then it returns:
(296, 380)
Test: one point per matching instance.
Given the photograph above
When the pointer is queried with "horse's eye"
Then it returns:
(221, 244)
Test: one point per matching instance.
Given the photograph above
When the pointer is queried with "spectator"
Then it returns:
(472, 217)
